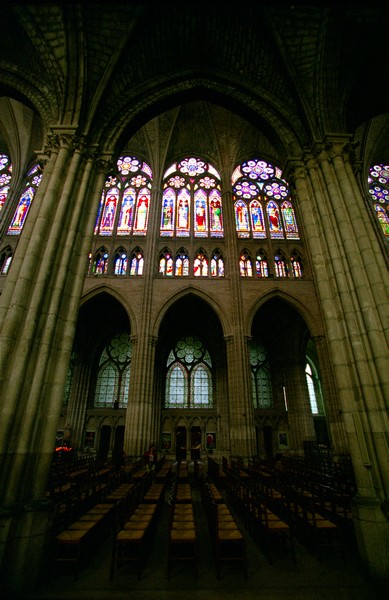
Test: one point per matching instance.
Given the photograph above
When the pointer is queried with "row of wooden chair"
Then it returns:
(134, 528)
(227, 539)
(182, 537)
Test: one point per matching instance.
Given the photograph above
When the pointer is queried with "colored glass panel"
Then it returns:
(383, 218)
(109, 212)
(142, 212)
(289, 220)
(378, 181)
(257, 220)
(216, 215)
(241, 218)
(201, 213)
(183, 205)
(126, 216)
(21, 212)
(168, 212)
(188, 377)
(273, 215)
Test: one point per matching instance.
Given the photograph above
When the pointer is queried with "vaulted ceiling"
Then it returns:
(281, 75)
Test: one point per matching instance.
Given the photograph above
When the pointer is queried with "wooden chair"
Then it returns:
(228, 541)
(182, 540)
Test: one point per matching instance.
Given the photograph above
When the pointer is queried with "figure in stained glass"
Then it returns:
(142, 214)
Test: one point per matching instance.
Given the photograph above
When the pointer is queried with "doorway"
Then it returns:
(181, 443)
(268, 440)
(195, 443)
(105, 438)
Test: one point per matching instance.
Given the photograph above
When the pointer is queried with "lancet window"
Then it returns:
(125, 200)
(34, 177)
(262, 395)
(189, 375)
(113, 379)
(5, 179)
(191, 200)
(378, 182)
(262, 204)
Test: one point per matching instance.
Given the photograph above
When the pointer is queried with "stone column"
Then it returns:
(39, 312)
(301, 427)
(240, 406)
(141, 416)
(331, 405)
(353, 293)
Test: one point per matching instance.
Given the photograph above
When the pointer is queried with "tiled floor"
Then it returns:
(307, 579)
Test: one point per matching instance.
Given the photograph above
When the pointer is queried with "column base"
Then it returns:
(371, 521)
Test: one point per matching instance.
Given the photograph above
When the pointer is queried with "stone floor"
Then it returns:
(306, 579)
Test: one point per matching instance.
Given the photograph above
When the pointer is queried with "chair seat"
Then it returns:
(126, 535)
(183, 535)
(71, 537)
(229, 534)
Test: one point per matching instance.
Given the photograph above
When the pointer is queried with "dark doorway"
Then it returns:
(268, 440)
(195, 443)
(118, 444)
(105, 438)
(181, 443)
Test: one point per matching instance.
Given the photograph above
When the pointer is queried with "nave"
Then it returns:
(305, 577)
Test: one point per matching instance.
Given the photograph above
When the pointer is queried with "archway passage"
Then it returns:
(278, 357)
(191, 372)
(102, 322)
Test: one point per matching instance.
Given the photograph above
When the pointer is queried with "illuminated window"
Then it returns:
(261, 265)
(191, 200)
(217, 264)
(137, 262)
(120, 262)
(245, 264)
(200, 265)
(33, 180)
(188, 376)
(125, 200)
(113, 379)
(166, 263)
(5, 178)
(296, 264)
(5, 260)
(181, 268)
(280, 265)
(262, 395)
(262, 202)
(378, 182)
(100, 263)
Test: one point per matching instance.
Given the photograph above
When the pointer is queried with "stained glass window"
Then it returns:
(191, 200)
(280, 265)
(200, 265)
(181, 264)
(378, 182)
(262, 395)
(100, 263)
(125, 200)
(296, 263)
(113, 379)
(120, 262)
(5, 178)
(261, 265)
(189, 377)
(5, 260)
(137, 262)
(262, 202)
(245, 264)
(166, 263)
(34, 177)
(217, 264)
